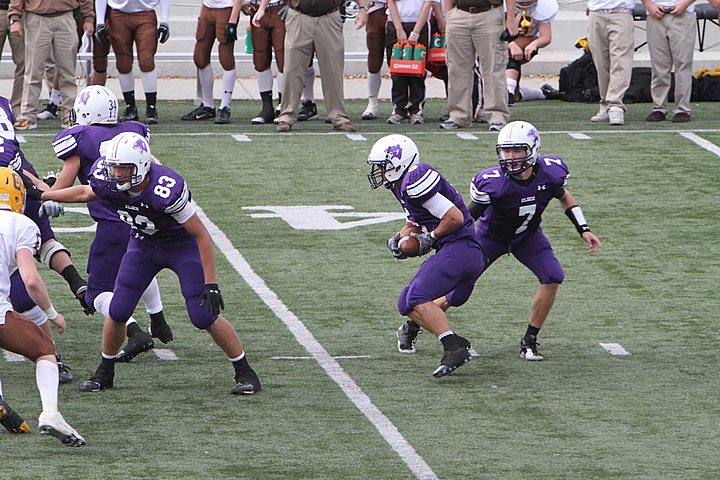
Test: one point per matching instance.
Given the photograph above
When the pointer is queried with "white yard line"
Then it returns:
(12, 357)
(344, 357)
(709, 146)
(384, 426)
(615, 349)
(241, 138)
(164, 354)
(579, 136)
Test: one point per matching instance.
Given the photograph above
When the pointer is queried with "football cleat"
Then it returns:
(452, 360)
(246, 384)
(308, 111)
(80, 296)
(151, 116)
(528, 349)
(161, 331)
(64, 375)
(52, 423)
(223, 116)
(50, 111)
(130, 114)
(200, 113)
(98, 382)
(406, 336)
(266, 115)
(371, 112)
(137, 343)
(9, 419)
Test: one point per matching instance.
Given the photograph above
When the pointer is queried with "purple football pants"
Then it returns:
(535, 252)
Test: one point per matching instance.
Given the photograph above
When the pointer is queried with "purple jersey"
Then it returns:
(149, 213)
(515, 208)
(84, 141)
(9, 146)
(421, 183)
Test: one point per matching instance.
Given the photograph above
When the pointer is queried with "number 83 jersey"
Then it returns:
(514, 207)
(158, 211)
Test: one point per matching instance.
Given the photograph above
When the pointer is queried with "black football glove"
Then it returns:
(212, 298)
(50, 179)
(231, 32)
(163, 32)
(392, 244)
(426, 241)
(101, 34)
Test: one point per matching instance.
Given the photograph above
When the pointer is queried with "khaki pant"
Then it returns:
(44, 36)
(671, 42)
(17, 46)
(612, 44)
(323, 35)
(468, 35)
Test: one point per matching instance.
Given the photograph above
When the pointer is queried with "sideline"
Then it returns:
(384, 426)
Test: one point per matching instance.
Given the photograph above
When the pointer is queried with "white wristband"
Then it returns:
(51, 313)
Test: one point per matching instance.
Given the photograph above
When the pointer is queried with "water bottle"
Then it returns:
(419, 52)
(407, 52)
(248, 39)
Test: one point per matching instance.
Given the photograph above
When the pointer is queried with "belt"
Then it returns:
(484, 8)
(614, 10)
(315, 14)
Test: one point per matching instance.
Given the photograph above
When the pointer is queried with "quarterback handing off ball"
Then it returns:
(409, 245)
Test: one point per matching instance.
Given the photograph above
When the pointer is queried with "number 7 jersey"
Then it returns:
(515, 208)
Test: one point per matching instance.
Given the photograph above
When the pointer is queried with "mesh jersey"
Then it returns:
(419, 184)
(149, 213)
(84, 141)
(514, 208)
(16, 232)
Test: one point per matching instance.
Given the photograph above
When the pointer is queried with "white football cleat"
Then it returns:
(371, 112)
(52, 423)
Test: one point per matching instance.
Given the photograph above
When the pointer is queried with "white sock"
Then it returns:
(207, 79)
(531, 93)
(149, 81)
(265, 80)
(374, 82)
(309, 85)
(55, 96)
(46, 377)
(1, 389)
(228, 85)
(280, 83)
(127, 82)
(240, 357)
(151, 298)
(511, 85)
(445, 334)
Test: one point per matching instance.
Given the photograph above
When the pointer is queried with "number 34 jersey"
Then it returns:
(515, 208)
(158, 211)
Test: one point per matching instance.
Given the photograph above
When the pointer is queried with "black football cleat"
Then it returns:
(452, 360)
(137, 343)
(551, 93)
(308, 111)
(246, 384)
(64, 375)
(200, 113)
(151, 116)
(130, 114)
(528, 349)
(80, 296)
(98, 382)
(9, 419)
(406, 335)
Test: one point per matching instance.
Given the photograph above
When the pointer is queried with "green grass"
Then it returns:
(649, 194)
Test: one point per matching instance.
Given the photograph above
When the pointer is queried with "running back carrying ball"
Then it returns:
(409, 245)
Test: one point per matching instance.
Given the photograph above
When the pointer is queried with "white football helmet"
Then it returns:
(391, 157)
(96, 105)
(127, 160)
(517, 135)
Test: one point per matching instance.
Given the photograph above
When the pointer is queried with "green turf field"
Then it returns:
(315, 308)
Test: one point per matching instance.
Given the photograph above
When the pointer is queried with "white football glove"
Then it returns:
(51, 209)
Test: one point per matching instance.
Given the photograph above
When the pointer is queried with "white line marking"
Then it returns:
(165, 354)
(20, 138)
(12, 357)
(242, 138)
(578, 136)
(709, 146)
(311, 358)
(615, 349)
(467, 136)
(384, 426)
(356, 137)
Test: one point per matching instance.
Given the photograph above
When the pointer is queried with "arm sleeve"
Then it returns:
(182, 208)
(164, 11)
(477, 209)
(100, 11)
(438, 205)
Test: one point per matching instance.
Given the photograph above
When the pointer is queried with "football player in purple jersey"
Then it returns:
(508, 201)
(167, 233)
(96, 112)
(436, 207)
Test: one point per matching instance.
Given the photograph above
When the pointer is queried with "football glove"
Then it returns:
(50, 179)
(163, 32)
(16, 163)
(101, 34)
(51, 209)
(393, 245)
(231, 32)
(426, 241)
(212, 298)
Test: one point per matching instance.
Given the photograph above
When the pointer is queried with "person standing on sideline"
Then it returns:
(474, 29)
(168, 233)
(312, 26)
(612, 44)
(135, 22)
(671, 43)
(19, 243)
(48, 27)
(17, 47)
(435, 207)
(373, 18)
(217, 21)
(508, 201)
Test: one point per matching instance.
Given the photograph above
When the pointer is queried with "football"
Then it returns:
(408, 245)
